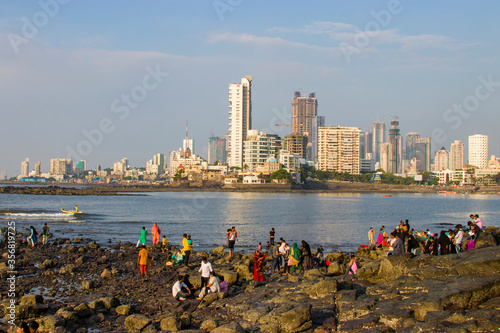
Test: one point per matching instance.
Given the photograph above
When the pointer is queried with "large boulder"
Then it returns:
(31, 299)
(335, 269)
(243, 272)
(233, 327)
(136, 322)
(208, 325)
(82, 310)
(218, 250)
(124, 310)
(50, 323)
(322, 288)
(172, 324)
(110, 302)
(296, 320)
(230, 277)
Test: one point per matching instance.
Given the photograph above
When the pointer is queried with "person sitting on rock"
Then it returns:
(179, 290)
(212, 287)
(224, 287)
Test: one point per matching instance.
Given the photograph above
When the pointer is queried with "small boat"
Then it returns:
(448, 192)
(387, 195)
(71, 211)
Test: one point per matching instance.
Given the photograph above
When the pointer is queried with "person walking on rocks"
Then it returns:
(45, 233)
(258, 266)
(371, 237)
(272, 234)
(143, 261)
(186, 248)
(205, 270)
(33, 237)
(155, 232)
(352, 267)
(142, 238)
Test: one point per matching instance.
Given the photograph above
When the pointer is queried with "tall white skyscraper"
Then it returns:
(457, 155)
(478, 151)
(379, 137)
(188, 142)
(240, 117)
(441, 159)
(25, 168)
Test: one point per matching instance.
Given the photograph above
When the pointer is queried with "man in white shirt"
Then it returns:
(212, 287)
(179, 290)
(205, 270)
(459, 237)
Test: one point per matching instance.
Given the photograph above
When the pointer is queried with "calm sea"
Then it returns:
(341, 220)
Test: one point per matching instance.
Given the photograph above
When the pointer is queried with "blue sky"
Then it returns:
(413, 59)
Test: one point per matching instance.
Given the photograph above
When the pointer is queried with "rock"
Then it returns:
(67, 314)
(110, 302)
(208, 325)
(293, 278)
(218, 250)
(210, 298)
(136, 322)
(243, 272)
(48, 263)
(186, 320)
(80, 260)
(106, 274)
(339, 257)
(97, 305)
(83, 311)
(31, 299)
(230, 277)
(124, 310)
(93, 245)
(173, 324)
(50, 323)
(322, 288)
(296, 320)
(87, 284)
(335, 269)
(23, 311)
(313, 274)
(233, 327)
(68, 269)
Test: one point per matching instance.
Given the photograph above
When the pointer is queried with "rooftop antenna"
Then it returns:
(187, 136)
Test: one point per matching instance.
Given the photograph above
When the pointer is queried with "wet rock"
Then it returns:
(218, 250)
(110, 302)
(31, 299)
(208, 325)
(106, 274)
(24, 311)
(233, 327)
(124, 310)
(83, 311)
(67, 314)
(136, 322)
(49, 263)
(97, 306)
(68, 269)
(50, 323)
(87, 284)
(171, 324)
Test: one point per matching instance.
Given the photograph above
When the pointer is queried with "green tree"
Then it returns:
(178, 174)
(281, 174)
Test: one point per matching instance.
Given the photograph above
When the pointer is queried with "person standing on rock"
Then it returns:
(306, 257)
(45, 233)
(230, 243)
(382, 238)
(33, 237)
(371, 236)
(205, 270)
(459, 238)
(233, 229)
(155, 232)
(272, 234)
(142, 239)
(258, 266)
(186, 249)
(143, 261)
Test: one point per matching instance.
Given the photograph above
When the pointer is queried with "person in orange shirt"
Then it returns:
(143, 262)
(155, 231)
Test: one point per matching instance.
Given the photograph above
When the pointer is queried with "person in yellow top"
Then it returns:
(186, 248)
(143, 262)
(76, 208)
(164, 244)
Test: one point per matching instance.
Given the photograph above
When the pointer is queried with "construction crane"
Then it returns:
(292, 125)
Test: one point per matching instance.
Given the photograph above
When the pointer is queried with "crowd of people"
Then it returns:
(406, 240)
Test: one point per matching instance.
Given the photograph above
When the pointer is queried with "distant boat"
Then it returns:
(448, 192)
(387, 195)
(71, 211)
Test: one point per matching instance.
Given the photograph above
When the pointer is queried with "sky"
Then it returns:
(101, 81)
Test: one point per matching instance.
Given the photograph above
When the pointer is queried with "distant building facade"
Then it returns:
(378, 129)
(441, 160)
(25, 168)
(338, 149)
(216, 150)
(240, 117)
(478, 151)
(457, 155)
(258, 147)
(423, 154)
(303, 110)
(61, 166)
(394, 139)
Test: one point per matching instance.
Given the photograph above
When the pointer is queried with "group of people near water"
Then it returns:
(405, 240)
(32, 238)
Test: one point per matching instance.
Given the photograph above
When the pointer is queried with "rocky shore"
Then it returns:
(77, 286)
(57, 190)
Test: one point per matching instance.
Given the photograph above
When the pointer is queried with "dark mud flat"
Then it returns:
(77, 285)
(56, 190)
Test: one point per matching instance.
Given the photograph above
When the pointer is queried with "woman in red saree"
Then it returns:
(258, 266)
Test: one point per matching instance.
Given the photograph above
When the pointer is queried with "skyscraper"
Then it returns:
(378, 128)
(187, 142)
(296, 144)
(216, 150)
(38, 169)
(441, 160)
(25, 168)
(411, 141)
(478, 151)
(368, 144)
(457, 155)
(394, 139)
(316, 123)
(61, 166)
(423, 154)
(258, 147)
(303, 109)
(240, 117)
(338, 149)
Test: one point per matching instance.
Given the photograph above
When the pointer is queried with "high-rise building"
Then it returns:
(362, 145)
(368, 144)
(157, 165)
(240, 117)
(303, 110)
(61, 166)
(38, 169)
(441, 159)
(316, 123)
(411, 149)
(121, 166)
(25, 168)
(478, 151)
(378, 129)
(216, 150)
(258, 148)
(188, 142)
(338, 149)
(394, 139)
(82, 165)
(423, 154)
(296, 144)
(456, 155)
(385, 156)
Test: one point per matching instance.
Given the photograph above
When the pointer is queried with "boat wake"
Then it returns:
(37, 216)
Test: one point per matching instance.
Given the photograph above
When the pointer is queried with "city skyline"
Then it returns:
(64, 87)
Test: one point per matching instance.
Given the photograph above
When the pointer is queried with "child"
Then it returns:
(164, 244)
(259, 248)
(223, 284)
(190, 242)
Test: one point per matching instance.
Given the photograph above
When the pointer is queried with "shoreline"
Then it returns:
(71, 285)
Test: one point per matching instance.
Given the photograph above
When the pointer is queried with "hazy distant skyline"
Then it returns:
(67, 67)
